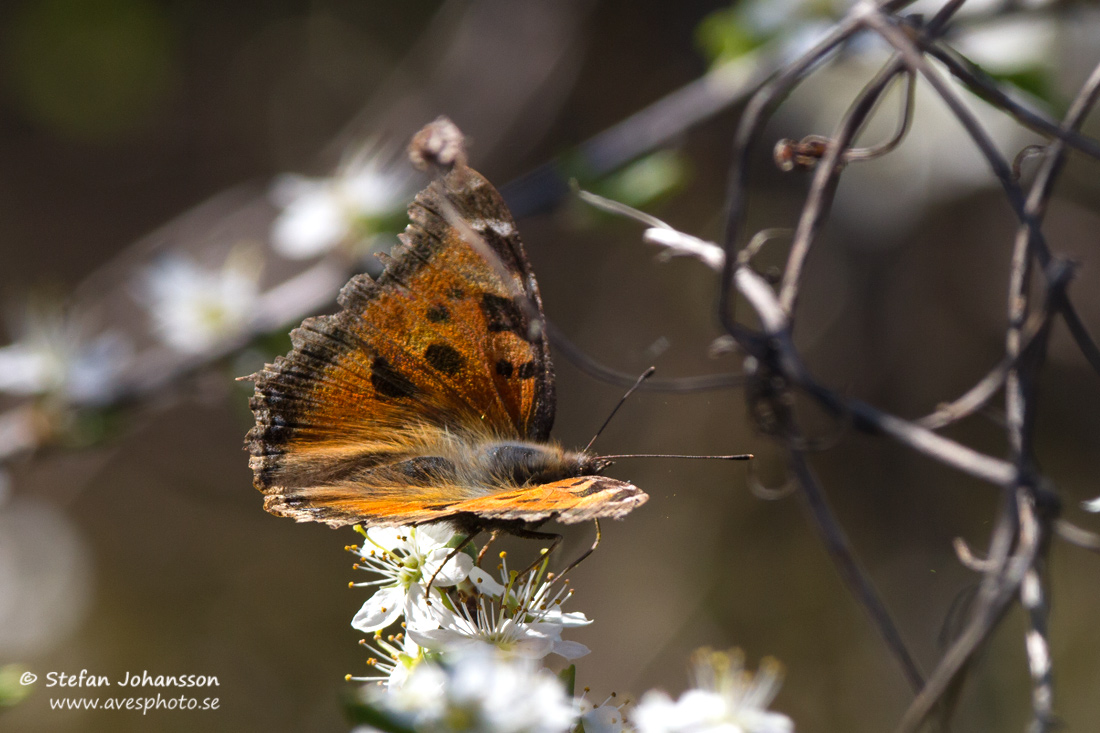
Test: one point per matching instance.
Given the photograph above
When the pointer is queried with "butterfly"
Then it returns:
(430, 395)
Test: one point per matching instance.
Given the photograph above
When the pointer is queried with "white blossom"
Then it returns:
(321, 213)
(54, 355)
(727, 699)
(479, 691)
(607, 717)
(194, 308)
(396, 656)
(406, 558)
(522, 616)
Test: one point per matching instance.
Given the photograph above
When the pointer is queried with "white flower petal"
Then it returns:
(485, 583)
(418, 614)
(532, 647)
(380, 610)
(310, 225)
(570, 649)
(455, 571)
(388, 538)
(567, 620)
(764, 721)
(605, 719)
(430, 536)
(655, 713)
(443, 640)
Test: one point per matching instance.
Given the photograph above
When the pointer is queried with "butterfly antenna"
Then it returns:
(645, 375)
(733, 457)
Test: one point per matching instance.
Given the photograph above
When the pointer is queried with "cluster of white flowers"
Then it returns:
(520, 616)
(467, 658)
(479, 691)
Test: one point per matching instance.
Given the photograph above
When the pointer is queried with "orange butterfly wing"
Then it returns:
(374, 414)
(572, 500)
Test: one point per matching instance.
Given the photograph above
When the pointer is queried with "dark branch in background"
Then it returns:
(978, 82)
(545, 187)
(843, 555)
(1020, 400)
(826, 179)
(1015, 568)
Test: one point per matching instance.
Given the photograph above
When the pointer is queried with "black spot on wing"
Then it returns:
(388, 382)
(444, 358)
(504, 314)
(527, 370)
(504, 368)
(439, 314)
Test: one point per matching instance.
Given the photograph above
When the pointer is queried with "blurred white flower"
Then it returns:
(479, 691)
(521, 616)
(406, 558)
(53, 355)
(607, 717)
(727, 699)
(321, 213)
(194, 308)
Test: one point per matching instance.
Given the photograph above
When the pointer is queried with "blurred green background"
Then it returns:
(118, 115)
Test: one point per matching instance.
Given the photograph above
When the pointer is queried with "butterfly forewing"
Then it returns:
(448, 342)
(430, 394)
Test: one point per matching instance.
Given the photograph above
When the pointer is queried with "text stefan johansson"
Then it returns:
(84, 679)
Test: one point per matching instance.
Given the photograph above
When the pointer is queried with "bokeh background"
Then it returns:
(148, 549)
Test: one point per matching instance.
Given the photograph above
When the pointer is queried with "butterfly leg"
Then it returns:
(530, 534)
(450, 556)
(587, 552)
(485, 547)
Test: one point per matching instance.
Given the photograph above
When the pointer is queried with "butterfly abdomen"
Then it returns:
(517, 463)
(478, 466)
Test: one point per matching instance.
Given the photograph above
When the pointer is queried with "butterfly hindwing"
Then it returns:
(572, 500)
